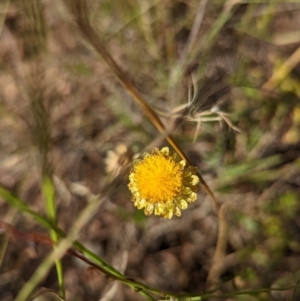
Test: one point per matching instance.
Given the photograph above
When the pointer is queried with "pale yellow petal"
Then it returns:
(195, 180)
(182, 204)
(141, 203)
(165, 151)
(149, 209)
(168, 214)
(177, 211)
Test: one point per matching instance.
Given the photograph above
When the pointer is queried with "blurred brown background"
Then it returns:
(64, 113)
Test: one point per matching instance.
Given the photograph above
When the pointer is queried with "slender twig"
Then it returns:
(282, 72)
(219, 255)
(4, 9)
(194, 31)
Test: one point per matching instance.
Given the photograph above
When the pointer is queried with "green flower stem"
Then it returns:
(59, 250)
(49, 196)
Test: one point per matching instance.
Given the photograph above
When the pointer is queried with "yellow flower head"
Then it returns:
(162, 184)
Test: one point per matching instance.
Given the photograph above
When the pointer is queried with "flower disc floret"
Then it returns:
(162, 184)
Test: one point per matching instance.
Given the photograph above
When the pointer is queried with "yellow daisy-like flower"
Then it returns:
(162, 184)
